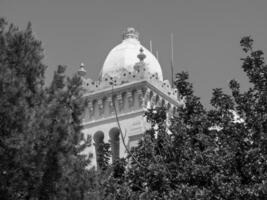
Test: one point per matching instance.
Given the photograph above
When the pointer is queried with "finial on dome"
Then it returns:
(82, 71)
(140, 66)
(141, 56)
(130, 33)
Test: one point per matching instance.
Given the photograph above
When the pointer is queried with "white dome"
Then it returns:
(124, 57)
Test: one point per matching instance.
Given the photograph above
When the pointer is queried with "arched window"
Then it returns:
(114, 135)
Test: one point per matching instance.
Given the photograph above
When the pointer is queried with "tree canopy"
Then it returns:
(203, 154)
(40, 127)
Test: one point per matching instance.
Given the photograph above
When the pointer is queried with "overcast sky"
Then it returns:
(206, 33)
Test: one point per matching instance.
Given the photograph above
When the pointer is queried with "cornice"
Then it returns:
(112, 118)
(133, 85)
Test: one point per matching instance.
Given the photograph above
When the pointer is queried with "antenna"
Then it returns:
(172, 62)
(157, 54)
(100, 73)
(150, 45)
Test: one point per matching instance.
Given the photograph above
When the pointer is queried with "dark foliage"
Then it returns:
(204, 154)
(40, 128)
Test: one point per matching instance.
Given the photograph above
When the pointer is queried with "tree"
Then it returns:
(204, 154)
(243, 143)
(21, 82)
(40, 128)
(65, 175)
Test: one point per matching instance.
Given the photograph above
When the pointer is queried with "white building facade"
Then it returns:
(131, 80)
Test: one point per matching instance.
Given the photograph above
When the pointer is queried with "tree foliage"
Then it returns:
(204, 154)
(40, 127)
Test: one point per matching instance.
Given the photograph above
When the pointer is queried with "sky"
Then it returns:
(206, 34)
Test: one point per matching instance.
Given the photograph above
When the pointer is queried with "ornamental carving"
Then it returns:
(130, 99)
(153, 99)
(146, 97)
(159, 103)
(90, 108)
(100, 107)
(140, 97)
(120, 102)
(110, 104)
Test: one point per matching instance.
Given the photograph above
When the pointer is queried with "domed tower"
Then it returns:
(123, 57)
(131, 80)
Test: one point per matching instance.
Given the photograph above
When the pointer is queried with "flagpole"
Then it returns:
(172, 62)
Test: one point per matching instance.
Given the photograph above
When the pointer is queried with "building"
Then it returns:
(130, 81)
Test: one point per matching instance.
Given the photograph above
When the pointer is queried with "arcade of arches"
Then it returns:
(114, 139)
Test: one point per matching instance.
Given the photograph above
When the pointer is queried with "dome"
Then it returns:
(124, 56)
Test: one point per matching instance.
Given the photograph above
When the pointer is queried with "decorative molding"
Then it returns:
(100, 107)
(112, 118)
(146, 97)
(140, 97)
(159, 103)
(110, 103)
(90, 109)
(120, 102)
(130, 99)
(127, 77)
(153, 99)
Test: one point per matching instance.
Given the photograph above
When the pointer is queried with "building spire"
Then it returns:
(130, 33)
(82, 71)
(141, 64)
(141, 56)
